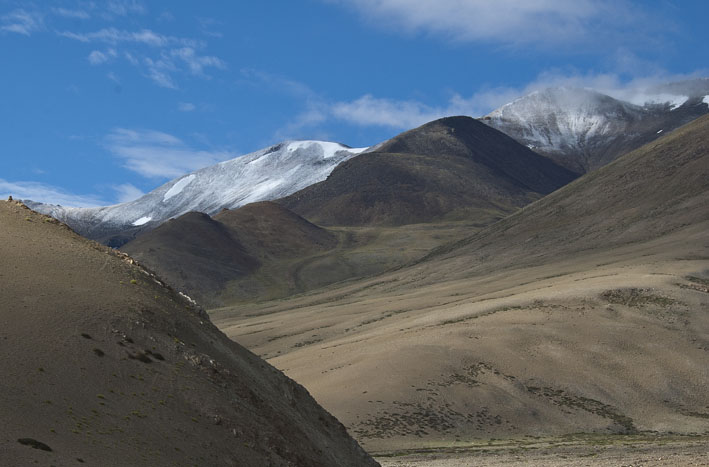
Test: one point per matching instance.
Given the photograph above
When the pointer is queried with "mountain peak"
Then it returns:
(583, 129)
(270, 173)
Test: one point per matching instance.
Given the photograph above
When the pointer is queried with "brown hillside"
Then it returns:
(249, 246)
(585, 312)
(103, 365)
(452, 168)
(193, 253)
(268, 229)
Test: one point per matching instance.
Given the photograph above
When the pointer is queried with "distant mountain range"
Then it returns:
(578, 129)
(452, 169)
(267, 174)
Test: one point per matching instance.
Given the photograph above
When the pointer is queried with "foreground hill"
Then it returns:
(270, 173)
(452, 168)
(584, 312)
(102, 364)
(583, 130)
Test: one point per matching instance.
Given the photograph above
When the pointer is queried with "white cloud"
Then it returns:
(155, 154)
(44, 193)
(186, 107)
(116, 36)
(368, 110)
(97, 57)
(633, 89)
(195, 62)
(174, 54)
(160, 71)
(21, 22)
(127, 192)
(404, 114)
(558, 22)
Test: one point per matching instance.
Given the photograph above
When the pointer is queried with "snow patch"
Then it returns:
(142, 221)
(188, 298)
(177, 188)
(706, 100)
(329, 149)
(672, 100)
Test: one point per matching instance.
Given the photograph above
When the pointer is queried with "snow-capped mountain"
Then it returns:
(582, 129)
(267, 174)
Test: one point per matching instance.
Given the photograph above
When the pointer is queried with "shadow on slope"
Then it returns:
(651, 192)
(450, 169)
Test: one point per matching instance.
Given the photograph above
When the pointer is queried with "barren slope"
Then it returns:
(194, 254)
(264, 251)
(102, 364)
(452, 168)
(587, 311)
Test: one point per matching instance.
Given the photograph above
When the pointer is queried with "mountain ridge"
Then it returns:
(270, 173)
(451, 168)
(583, 129)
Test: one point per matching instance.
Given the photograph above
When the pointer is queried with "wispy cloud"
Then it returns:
(368, 110)
(159, 57)
(116, 36)
(21, 21)
(69, 13)
(96, 57)
(316, 107)
(44, 193)
(160, 71)
(174, 54)
(127, 192)
(186, 107)
(124, 8)
(154, 154)
(209, 27)
(550, 22)
(195, 62)
(401, 114)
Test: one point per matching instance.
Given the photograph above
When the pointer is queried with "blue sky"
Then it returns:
(105, 100)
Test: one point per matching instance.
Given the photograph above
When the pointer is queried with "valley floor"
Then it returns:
(568, 451)
(607, 342)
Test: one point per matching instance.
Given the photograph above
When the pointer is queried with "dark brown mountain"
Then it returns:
(452, 168)
(200, 255)
(102, 364)
(194, 253)
(651, 192)
(267, 229)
